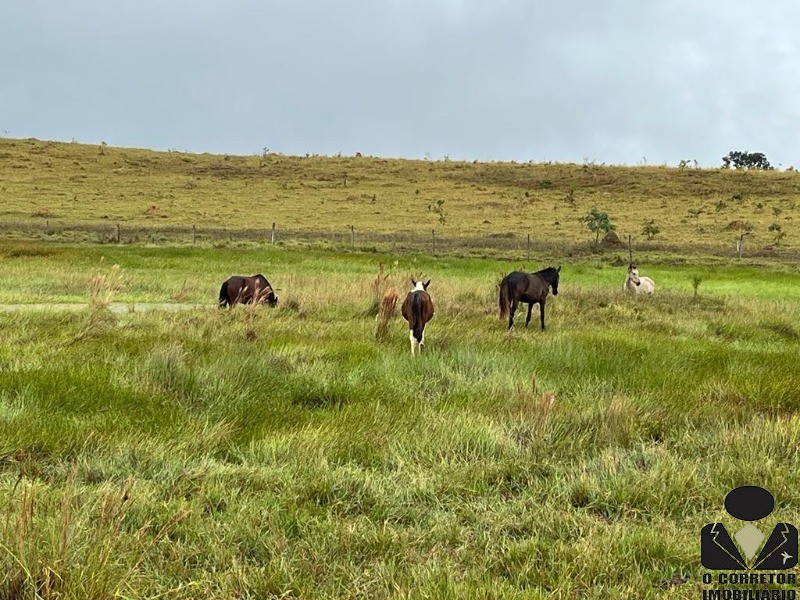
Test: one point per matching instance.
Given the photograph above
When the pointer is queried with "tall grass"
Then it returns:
(171, 455)
(387, 311)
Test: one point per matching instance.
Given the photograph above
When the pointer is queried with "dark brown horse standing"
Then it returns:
(519, 287)
(245, 290)
(418, 310)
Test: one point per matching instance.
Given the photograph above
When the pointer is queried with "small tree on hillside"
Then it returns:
(597, 221)
(438, 208)
(739, 159)
(778, 232)
(650, 229)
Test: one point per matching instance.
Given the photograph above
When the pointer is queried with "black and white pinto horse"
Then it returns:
(532, 288)
(247, 290)
(417, 310)
(637, 284)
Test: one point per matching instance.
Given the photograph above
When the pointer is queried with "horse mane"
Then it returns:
(548, 273)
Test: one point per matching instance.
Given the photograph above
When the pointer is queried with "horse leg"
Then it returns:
(411, 337)
(511, 312)
(528, 319)
(541, 312)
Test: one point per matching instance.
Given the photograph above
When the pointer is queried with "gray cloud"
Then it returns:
(614, 82)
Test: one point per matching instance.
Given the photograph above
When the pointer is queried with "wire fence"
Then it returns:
(509, 244)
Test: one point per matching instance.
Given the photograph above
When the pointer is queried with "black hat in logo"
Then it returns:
(749, 503)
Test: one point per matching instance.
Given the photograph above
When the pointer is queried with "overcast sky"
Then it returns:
(564, 80)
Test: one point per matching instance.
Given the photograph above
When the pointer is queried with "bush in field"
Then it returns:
(778, 232)
(597, 222)
(650, 229)
(739, 159)
(696, 281)
(438, 208)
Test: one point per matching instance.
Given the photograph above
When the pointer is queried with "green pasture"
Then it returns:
(258, 453)
(43, 273)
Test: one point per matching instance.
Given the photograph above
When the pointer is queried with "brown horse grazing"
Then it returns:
(519, 287)
(418, 310)
(246, 290)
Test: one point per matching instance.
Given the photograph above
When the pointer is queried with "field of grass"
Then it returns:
(286, 452)
(57, 185)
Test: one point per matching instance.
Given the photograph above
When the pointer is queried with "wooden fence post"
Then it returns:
(528, 249)
(352, 235)
(433, 240)
(118, 236)
(273, 232)
(194, 234)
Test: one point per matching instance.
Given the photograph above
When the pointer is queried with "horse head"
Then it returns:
(265, 291)
(554, 284)
(420, 286)
(633, 274)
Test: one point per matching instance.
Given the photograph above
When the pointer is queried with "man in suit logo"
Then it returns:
(749, 503)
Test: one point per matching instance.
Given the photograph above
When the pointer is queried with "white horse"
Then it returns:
(636, 284)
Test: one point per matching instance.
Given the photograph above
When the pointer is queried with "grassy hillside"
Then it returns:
(287, 453)
(76, 184)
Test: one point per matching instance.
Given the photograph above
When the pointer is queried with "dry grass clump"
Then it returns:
(533, 411)
(529, 402)
(387, 311)
(184, 292)
(154, 210)
(378, 289)
(42, 213)
(103, 287)
(291, 303)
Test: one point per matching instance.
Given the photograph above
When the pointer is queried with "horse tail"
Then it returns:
(418, 324)
(505, 298)
(223, 296)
